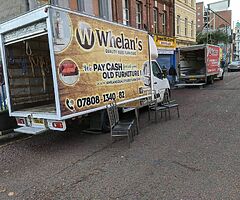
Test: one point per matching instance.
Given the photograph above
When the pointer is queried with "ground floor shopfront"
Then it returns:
(167, 54)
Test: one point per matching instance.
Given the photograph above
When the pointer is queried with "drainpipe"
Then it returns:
(174, 15)
(27, 5)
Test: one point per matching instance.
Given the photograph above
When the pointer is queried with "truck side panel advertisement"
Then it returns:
(97, 62)
(213, 54)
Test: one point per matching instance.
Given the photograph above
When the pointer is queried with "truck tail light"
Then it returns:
(21, 121)
(57, 124)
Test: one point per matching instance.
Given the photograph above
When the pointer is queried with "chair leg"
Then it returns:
(136, 129)
(178, 112)
(128, 140)
(165, 114)
(112, 140)
(149, 117)
(155, 115)
(169, 113)
(131, 132)
(161, 114)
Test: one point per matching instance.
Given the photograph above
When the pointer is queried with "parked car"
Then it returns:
(234, 66)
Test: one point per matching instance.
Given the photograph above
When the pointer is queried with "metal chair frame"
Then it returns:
(154, 106)
(169, 104)
(118, 128)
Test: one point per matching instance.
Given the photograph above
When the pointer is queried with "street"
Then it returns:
(194, 157)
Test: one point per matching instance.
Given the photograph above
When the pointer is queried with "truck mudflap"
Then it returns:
(31, 130)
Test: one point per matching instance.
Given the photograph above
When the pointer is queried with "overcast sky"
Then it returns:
(234, 6)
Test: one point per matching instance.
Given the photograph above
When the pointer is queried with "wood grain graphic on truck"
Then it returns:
(98, 62)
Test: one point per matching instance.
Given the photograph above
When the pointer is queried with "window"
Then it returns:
(139, 15)
(155, 20)
(164, 22)
(198, 14)
(62, 3)
(192, 3)
(192, 28)
(55, 2)
(81, 6)
(156, 70)
(105, 9)
(126, 15)
(178, 24)
(186, 26)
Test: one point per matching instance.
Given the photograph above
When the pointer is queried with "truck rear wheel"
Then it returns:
(210, 80)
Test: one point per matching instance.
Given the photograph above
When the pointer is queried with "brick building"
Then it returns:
(199, 16)
(214, 21)
(154, 16)
(12, 8)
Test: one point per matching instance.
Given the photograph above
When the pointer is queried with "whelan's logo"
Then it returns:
(88, 38)
(85, 36)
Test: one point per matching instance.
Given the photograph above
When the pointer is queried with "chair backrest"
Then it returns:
(152, 100)
(166, 98)
(116, 114)
(111, 115)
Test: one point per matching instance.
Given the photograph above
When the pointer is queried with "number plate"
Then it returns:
(38, 121)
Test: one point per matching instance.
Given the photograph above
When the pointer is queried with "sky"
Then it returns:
(234, 6)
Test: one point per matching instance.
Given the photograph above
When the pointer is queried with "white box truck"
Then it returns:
(200, 64)
(59, 65)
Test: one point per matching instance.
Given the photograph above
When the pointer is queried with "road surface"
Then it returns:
(194, 157)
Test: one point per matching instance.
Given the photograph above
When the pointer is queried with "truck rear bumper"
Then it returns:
(31, 130)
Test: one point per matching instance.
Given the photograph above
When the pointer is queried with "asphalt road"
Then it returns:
(194, 157)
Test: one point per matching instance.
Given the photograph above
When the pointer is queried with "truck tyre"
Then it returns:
(210, 80)
(105, 122)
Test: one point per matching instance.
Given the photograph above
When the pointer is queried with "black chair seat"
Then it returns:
(159, 108)
(171, 105)
(122, 127)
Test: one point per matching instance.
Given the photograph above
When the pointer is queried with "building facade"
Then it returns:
(200, 19)
(204, 17)
(185, 22)
(153, 16)
(12, 8)
(237, 41)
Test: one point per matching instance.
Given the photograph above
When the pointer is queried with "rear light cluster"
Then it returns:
(51, 124)
(21, 121)
(57, 124)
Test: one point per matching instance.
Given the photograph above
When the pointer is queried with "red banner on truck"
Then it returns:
(213, 53)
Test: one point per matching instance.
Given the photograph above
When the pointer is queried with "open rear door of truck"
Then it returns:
(29, 70)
